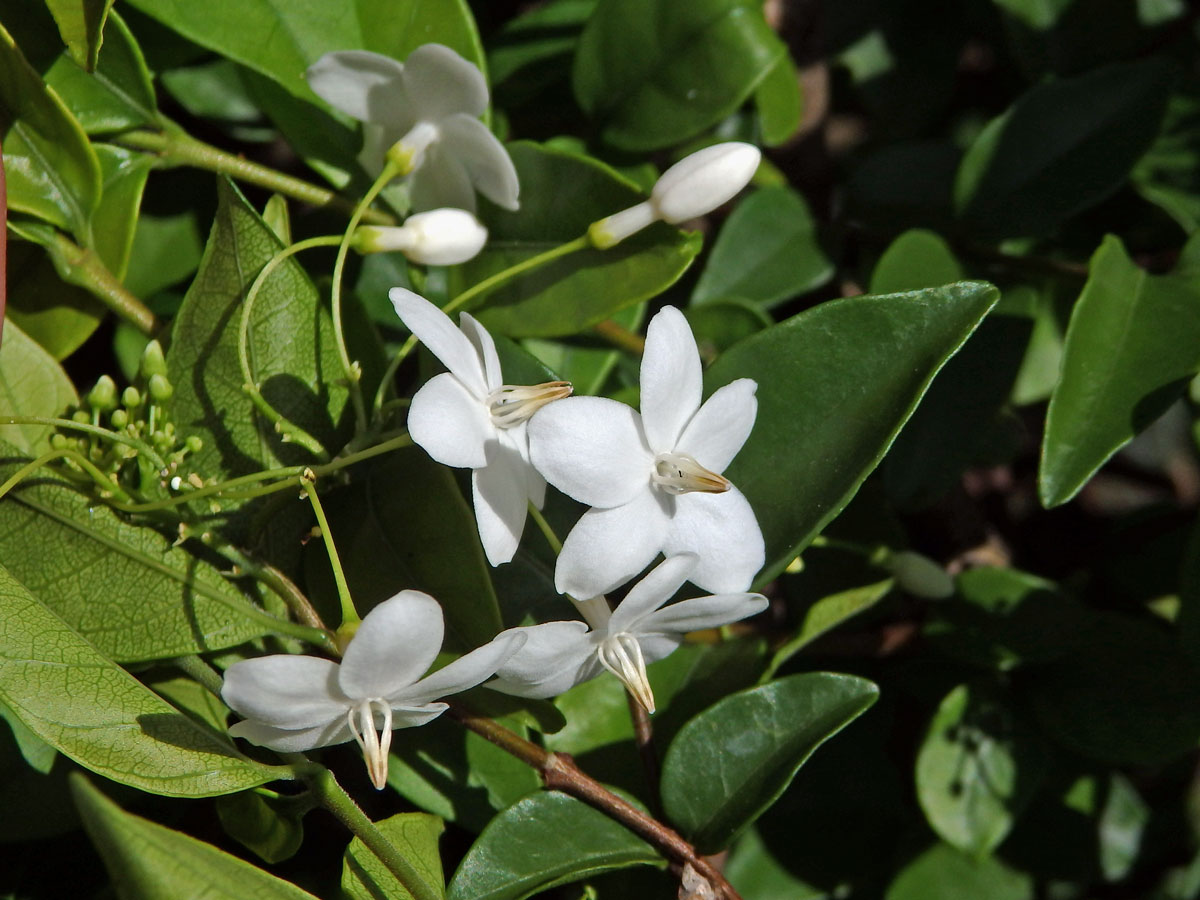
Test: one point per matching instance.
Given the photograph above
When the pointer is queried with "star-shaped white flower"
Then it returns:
(653, 479)
(470, 419)
(431, 105)
(560, 655)
(294, 703)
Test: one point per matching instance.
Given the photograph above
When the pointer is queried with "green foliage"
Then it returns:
(415, 835)
(32, 384)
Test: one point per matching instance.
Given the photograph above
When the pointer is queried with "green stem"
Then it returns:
(114, 436)
(290, 430)
(282, 586)
(29, 468)
(476, 290)
(350, 615)
(547, 531)
(83, 267)
(620, 336)
(330, 795)
(181, 148)
(200, 671)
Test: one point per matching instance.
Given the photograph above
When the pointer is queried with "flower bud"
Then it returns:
(103, 397)
(119, 418)
(440, 237)
(152, 361)
(919, 575)
(131, 398)
(160, 389)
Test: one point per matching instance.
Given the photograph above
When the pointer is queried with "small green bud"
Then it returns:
(153, 362)
(103, 396)
(60, 441)
(194, 443)
(920, 575)
(119, 418)
(80, 416)
(159, 388)
(131, 398)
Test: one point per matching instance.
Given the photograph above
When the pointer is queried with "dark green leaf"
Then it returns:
(561, 194)
(123, 174)
(81, 24)
(583, 362)
(32, 383)
(754, 872)
(779, 102)
(1132, 344)
(1122, 824)
(147, 861)
(59, 316)
(731, 762)
(1169, 172)
(767, 252)
(719, 325)
(254, 822)
(943, 873)
(78, 701)
(545, 840)
(1039, 14)
(415, 835)
(538, 39)
(835, 384)
(166, 250)
(655, 72)
(916, 259)
(1061, 148)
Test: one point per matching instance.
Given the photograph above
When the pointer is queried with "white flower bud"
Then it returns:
(440, 237)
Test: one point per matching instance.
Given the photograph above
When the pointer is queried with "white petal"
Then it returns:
(659, 586)
(500, 491)
(702, 181)
(658, 645)
(554, 659)
(451, 424)
(722, 531)
(486, 347)
(412, 716)
(285, 691)
(671, 379)
(704, 612)
(465, 672)
(440, 83)
(441, 180)
(294, 740)
(394, 646)
(487, 162)
(592, 449)
(607, 547)
(434, 329)
(720, 427)
(367, 86)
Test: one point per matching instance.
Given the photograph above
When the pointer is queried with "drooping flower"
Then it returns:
(295, 703)
(424, 112)
(470, 419)
(440, 237)
(694, 186)
(653, 480)
(560, 655)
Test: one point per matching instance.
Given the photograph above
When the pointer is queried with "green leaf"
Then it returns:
(32, 383)
(1168, 174)
(51, 170)
(280, 38)
(1038, 14)
(779, 102)
(943, 873)
(125, 588)
(1122, 824)
(545, 840)
(57, 315)
(584, 362)
(166, 250)
(147, 861)
(253, 821)
(719, 325)
(1061, 148)
(81, 24)
(767, 252)
(916, 259)
(415, 835)
(123, 174)
(977, 768)
(1132, 344)
(835, 384)
(292, 352)
(37, 754)
(78, 701)
(756, 740)
(755, 872)
(655, 72)
(561, 194)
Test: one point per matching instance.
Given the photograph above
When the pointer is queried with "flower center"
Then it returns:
(678, 473)
(375, 744)
(621, 654)
(408, 152)
(512, 404)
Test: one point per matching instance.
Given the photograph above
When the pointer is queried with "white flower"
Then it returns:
(295, 703)
(560, 655)
(468, 418)
(653, 479)
(697, 184)
(440, 237)
(430, 106)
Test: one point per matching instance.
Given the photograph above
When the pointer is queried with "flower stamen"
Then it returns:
(679, 473)
(375, 744)
(621, 654)
(512, 404)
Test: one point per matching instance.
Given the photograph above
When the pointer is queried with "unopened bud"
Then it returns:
(160, 389)
(153, 362)
(119, 418)
(919, 575)
(103, 397)
(440, 237)
(60, 441)
(194, 443)
(80, 416)
(131, 398)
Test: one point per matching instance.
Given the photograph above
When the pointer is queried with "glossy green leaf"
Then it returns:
(561, 194)
(943, 873)
(976, 769)
(81, 24)
(655, 72)
(253, 821)
(767, 251)
(166, 250)
(1132, 345)
(292, 353)
(147, 861)
(415, 836)
(779, 102)
(123, 587)
(123, 178)
(731, 762)
(50, 169)
(835, 384)
(1062, 147)
(917, 259)
(585, 362)
(281, 39)
(78, 701)
(32, 383)
(545, 840)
